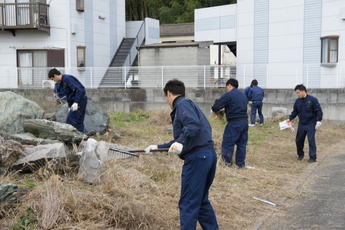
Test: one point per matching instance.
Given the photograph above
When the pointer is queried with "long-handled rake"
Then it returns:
(130, 154)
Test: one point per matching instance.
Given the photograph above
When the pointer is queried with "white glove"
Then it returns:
(74, 107)
(318, 124)
(150, 147)
(175, 148)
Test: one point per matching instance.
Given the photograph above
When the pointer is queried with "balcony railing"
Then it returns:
(19, 16)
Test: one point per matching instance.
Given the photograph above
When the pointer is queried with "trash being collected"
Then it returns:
(250, 167)
(265, 201)
(286, 124)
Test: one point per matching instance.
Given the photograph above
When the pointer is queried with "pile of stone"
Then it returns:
(28, 141)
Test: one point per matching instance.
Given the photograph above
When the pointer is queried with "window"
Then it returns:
(81, 56)
(329, 49)
(79, 5)
(32, 65)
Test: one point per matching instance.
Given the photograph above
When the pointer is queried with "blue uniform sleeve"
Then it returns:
(220, 103)
(76, 87)
(250, 93)
(190, 122)
(294, 112)
(318, 110)
(186, 125)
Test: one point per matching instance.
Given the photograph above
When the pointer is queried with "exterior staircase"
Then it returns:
(115, 76)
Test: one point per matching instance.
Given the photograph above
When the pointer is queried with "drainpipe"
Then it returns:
(219, 58)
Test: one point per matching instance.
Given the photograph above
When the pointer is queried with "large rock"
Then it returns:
(94, 157)
(14, 110)
(91, 167)
(96, 119)
(28, 139)
(53, 130)
(9, 153)
(38, 154)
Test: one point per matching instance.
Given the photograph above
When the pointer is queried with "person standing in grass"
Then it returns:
(193, 143)
(75, 95)
(309, 112)
(236, 131)
(256, 95)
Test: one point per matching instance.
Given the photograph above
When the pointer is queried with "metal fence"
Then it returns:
(268, 76)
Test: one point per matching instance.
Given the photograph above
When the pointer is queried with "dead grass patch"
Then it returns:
(144, 194)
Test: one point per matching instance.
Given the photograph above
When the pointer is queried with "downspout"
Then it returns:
(68, 32)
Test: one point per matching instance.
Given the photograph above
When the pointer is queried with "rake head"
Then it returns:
(122, 154)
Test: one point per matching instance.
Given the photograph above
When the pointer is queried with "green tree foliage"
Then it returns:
(168, 11)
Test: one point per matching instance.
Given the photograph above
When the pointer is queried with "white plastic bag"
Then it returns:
(286, 124)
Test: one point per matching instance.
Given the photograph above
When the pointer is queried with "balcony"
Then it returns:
(24, 16)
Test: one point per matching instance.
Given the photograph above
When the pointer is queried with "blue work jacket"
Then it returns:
(256, 94)
(235, 104)
(307, 109)
(74, 90)
(190, 127)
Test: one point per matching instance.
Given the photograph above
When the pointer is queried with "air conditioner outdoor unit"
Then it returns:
(48, 84)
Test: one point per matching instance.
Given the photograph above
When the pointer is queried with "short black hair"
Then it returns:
(301, 87)
(254, 82)
(52, 72)
(175, 87)
(233, 82)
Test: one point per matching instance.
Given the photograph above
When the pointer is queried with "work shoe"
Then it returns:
(311, 160)
(300, 158)
(241, 166)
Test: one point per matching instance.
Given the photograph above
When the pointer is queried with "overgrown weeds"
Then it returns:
(144, 194)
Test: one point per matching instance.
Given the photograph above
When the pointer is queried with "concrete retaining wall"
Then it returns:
(127, 100)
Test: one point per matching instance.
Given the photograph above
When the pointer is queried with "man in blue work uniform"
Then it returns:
(256, 95)
(75, 95)
(309, 111)
(59, 94)
(193, 143)
(236, 131)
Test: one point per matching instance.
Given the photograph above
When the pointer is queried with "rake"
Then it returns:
(130, 154)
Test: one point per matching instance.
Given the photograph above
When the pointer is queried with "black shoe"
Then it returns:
(300, 158)
(241, 166)
(311, 160)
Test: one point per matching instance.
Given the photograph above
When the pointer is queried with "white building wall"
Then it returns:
(293, 46)
(216, 24)
(100, 28)
(334, 24)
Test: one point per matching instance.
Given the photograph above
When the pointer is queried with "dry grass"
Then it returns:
(144, 194)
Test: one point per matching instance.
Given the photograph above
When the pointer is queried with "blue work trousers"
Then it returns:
(198, 172)
(303, 131)
(76, 118)
(235, 133)
(256, 106)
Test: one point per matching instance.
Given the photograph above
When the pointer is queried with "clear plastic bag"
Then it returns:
(286, 124)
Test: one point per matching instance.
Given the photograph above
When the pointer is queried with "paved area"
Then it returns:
(322, 207)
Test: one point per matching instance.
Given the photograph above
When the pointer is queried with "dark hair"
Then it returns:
(254, 82)
(301, 87)
(175, 87)
(52, 72)
(233, 82)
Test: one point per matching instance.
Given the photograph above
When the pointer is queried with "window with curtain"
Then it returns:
(329, 49)
(81, 56)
